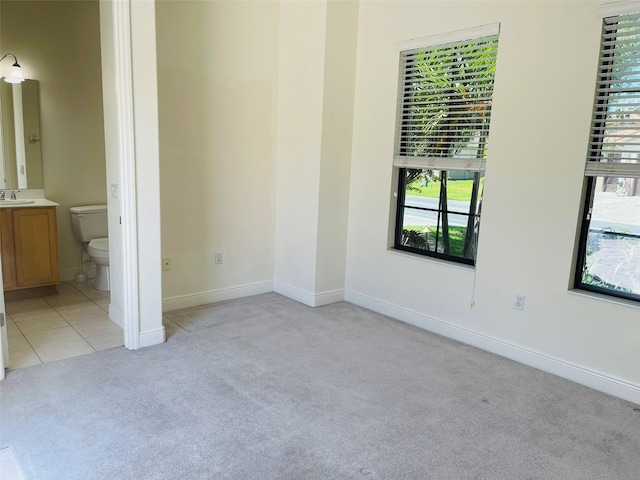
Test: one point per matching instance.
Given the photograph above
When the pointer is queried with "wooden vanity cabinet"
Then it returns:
(29, 242)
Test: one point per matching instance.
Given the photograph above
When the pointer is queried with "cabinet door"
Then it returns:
(8, 252)
(36, 246)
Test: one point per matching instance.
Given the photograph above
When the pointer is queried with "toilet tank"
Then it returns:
(89, 222)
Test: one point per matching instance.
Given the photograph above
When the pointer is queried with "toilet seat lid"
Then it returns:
(99, 244)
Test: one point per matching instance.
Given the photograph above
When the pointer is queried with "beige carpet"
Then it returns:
(266, 388)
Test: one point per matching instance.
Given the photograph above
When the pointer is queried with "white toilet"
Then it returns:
(90, 227)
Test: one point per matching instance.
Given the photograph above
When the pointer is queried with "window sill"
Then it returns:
(417, 256)
(605, 298)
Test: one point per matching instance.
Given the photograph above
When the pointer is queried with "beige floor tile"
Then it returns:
(26, 317)
(95, 295)
(96, 327)
(42, 326)
(82, 286)
(65, 299)
(43, 323)
(17, 343)
(89, 289)
(107, 340)
(28, 304)
(104, 304)
(100, 297)
(12, 329)
(75, 307)
(56, 335)
(23, 358)
(31, 314)
(66, 287)
(88, 315)
(58, 351)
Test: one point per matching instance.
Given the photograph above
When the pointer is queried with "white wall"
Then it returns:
(337, 129)
(315, 112)
(58, 44)
(217, 87)
(543, 96)
(300, 104)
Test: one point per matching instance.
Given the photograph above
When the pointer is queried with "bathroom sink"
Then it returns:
(16, 202)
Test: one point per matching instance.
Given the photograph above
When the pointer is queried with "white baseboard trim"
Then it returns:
(212, 296)
(307, 298)
(153, 337)
(293, 293)
(116, 315)
(329, 297)
(584, 376)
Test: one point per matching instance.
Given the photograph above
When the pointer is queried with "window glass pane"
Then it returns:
(459, 244)
(612, 249)
(441, 212)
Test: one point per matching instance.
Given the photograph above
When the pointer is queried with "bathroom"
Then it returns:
(71, 139)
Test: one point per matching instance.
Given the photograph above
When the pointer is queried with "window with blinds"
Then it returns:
(445, 104)
(445, 91)
(608, 258)
(615, 129)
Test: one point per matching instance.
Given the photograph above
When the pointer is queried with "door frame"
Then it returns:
(131, 131)
(131, 128)
(121, 16)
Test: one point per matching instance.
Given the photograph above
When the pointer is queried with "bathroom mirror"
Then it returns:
(20, 154)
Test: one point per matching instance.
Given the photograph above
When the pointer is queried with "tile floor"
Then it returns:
(72, 323)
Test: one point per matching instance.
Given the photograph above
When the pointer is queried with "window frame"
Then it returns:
(398, 232)
(594, 167)
(462, 39)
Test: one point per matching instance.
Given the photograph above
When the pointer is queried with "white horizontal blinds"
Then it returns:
(614, 144)
(444, 100)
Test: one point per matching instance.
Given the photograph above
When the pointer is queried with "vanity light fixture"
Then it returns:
(16, 75)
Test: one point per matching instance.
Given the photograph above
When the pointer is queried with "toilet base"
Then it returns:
(101, 281)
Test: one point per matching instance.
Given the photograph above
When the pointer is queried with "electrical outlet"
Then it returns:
(166, 264)
(219, 258)
(518, 302)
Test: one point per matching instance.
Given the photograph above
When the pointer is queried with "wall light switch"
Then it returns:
(115, 190)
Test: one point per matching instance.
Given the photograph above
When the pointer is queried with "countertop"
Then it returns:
(32, 202)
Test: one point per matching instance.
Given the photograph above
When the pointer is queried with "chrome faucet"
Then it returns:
(1, 194)
(13, 194)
